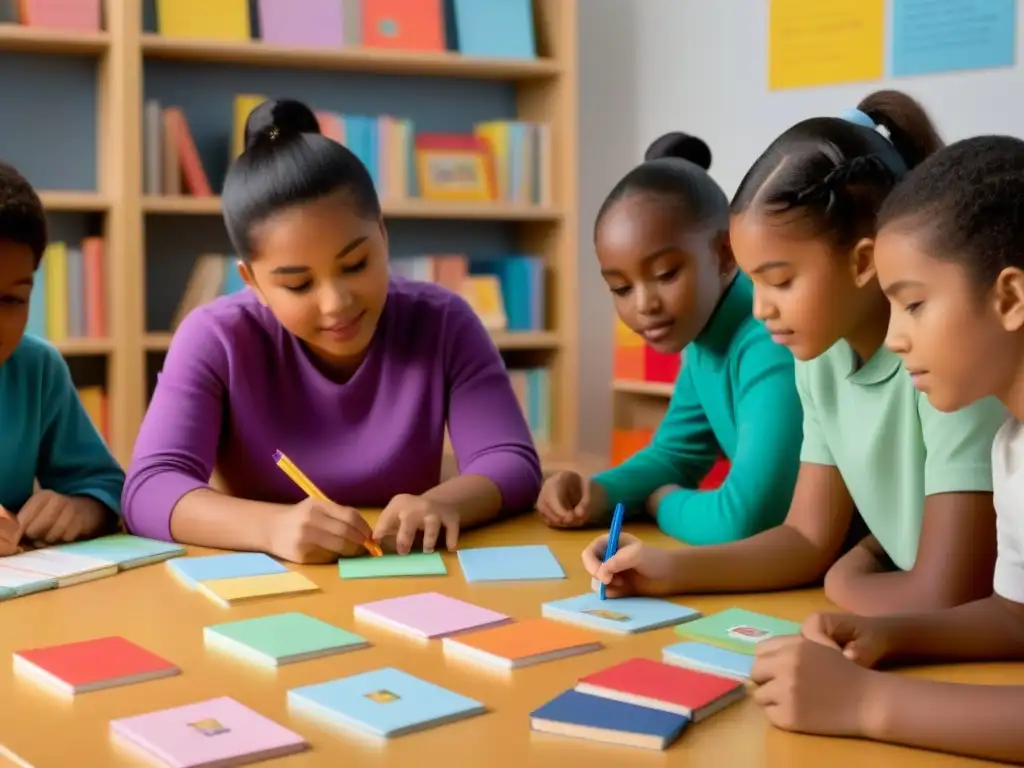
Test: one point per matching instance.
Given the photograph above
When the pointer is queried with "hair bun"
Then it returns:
(273, 120)
(682, 146)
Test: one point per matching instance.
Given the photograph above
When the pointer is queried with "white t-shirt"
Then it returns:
(1008, 490)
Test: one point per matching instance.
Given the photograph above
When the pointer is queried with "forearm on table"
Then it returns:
(878, 592)
(980, 721)
(206, 518)
(476, 499)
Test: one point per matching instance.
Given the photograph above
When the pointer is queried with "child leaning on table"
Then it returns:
(950, 256)
(352, 375)
(803, 223)
(662, 241)
(45, 433)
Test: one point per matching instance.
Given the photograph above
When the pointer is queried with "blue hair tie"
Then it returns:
(860, 118)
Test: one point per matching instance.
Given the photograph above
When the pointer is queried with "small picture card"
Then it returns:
(609, 615)
(749, 632)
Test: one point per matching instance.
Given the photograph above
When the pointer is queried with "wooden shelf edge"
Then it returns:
(357, 59)
(82, 202)
(650, 388)
(84, 347)
(504, 340)
(16, 37)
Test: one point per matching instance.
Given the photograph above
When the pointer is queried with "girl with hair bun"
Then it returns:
(352, 374)
(662, 241)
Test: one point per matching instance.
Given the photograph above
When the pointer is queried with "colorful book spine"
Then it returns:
(67, 299)
(533, 391)
(94, 400)
(522, 160)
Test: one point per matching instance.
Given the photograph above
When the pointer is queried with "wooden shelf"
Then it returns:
(15, 37)
(396, 209)
(84, 347)
(405, 63)
(82, 202)
(649, 388)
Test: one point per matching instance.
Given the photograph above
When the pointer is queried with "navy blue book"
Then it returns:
(598, 719)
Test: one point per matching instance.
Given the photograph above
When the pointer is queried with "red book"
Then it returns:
(91, 665)
(653, 684)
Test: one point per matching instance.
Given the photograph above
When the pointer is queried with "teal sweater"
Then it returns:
(735, 395)
(47, 434)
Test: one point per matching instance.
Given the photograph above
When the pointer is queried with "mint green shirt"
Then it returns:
(891, 446)
(736, 396)
(47, 434)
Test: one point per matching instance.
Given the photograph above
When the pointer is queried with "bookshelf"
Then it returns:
(128, 62)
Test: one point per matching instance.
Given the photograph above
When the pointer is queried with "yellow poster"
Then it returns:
(825, 42)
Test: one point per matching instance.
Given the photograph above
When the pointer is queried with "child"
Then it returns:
(802, 228)
(351, 375)
(47, 434)
(663, 245)
(950, 255)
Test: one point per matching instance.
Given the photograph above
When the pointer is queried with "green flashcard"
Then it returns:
(386, 566)
(737, 629)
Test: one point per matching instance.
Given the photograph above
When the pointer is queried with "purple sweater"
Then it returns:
(236, 386)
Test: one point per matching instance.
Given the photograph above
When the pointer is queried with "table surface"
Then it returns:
(150, 607)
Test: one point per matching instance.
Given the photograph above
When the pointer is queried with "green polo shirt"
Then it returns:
(891, 446)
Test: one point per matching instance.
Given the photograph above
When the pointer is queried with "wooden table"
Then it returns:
(151, 608)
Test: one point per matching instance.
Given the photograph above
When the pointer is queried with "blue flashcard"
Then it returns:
(496, 28)
(587, 716)
(709, 658)
(930, 36)
(623, 615)
(193, 570)
(526, 563)
(384, 702)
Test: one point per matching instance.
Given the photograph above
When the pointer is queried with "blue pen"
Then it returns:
(613, 538)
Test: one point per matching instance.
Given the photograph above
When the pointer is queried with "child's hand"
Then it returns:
(407, 515)
(10, 533)
(568, 500)
(862, 639)
(315, 531)
(52, 517)
(810, 688)
(635, 569)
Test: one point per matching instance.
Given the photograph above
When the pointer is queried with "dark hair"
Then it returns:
(968, 201)
(835, 173)
(675, 169)
(22, 219)
(286, 162)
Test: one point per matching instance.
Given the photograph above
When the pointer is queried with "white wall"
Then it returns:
(701, 68)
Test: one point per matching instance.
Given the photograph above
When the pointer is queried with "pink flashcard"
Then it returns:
(428, 615)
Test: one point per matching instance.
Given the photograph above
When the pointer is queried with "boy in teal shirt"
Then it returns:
(47, 434)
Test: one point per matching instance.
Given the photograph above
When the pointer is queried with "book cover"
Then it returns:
(193, 570)
(91, 665)
(124, 550)
(428, 615)
(737, 629)
(247, 589)
(384, 702)
(219, 732)
(580, 715)
(66, 568)
(406, 25)
(709, 658)
(624, 615)
(653, 684)
(389, 566)
(522, 643)
(522, 563)
(497, 28)
(224, 20)
(302, 23)
(283, 638)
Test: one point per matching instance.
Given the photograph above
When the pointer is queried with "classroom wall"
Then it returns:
(700, 67)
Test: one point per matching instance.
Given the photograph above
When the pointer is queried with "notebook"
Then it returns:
(527, 563)
(6, 593)
(124, 550)
(67, 568)
(218, 732)
(281, 639)
(709, 658)
(193, 570)
(387, 566)
(736, 629)
(247, 589)
(24, 582)
(623, 615)
(522, 643)
(384, 702)
(647, 683)
(595, 718)
(428, 615)
(91, 665)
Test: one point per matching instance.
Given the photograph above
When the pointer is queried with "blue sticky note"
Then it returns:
(709, 658)
(598, 714)
(193, 570)
(623, 615)
(527, 563)
(501, 28)
(385, 702)
(930, 36)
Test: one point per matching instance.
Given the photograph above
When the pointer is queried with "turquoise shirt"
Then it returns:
(735, 395)
(47, 434)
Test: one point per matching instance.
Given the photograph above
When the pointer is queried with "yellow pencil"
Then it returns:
(312, 491)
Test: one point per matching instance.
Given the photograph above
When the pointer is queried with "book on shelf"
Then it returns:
(633, 360)
(171, 164)
(302, 23)
(94, 400)
(213, 275)
(78, 15)
(68, 295)
(532, 388)
(222, 20)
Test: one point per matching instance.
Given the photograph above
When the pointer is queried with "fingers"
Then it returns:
(451, 534)
(331, 533)
(406, 536)
(766, 695)
(593, 554)
(816, 629)
(625, 559)
(39, 514)
(349, 517)
(617, 587)
(431, 530)
(66, 527)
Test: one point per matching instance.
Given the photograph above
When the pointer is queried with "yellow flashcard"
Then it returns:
(249, 588)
